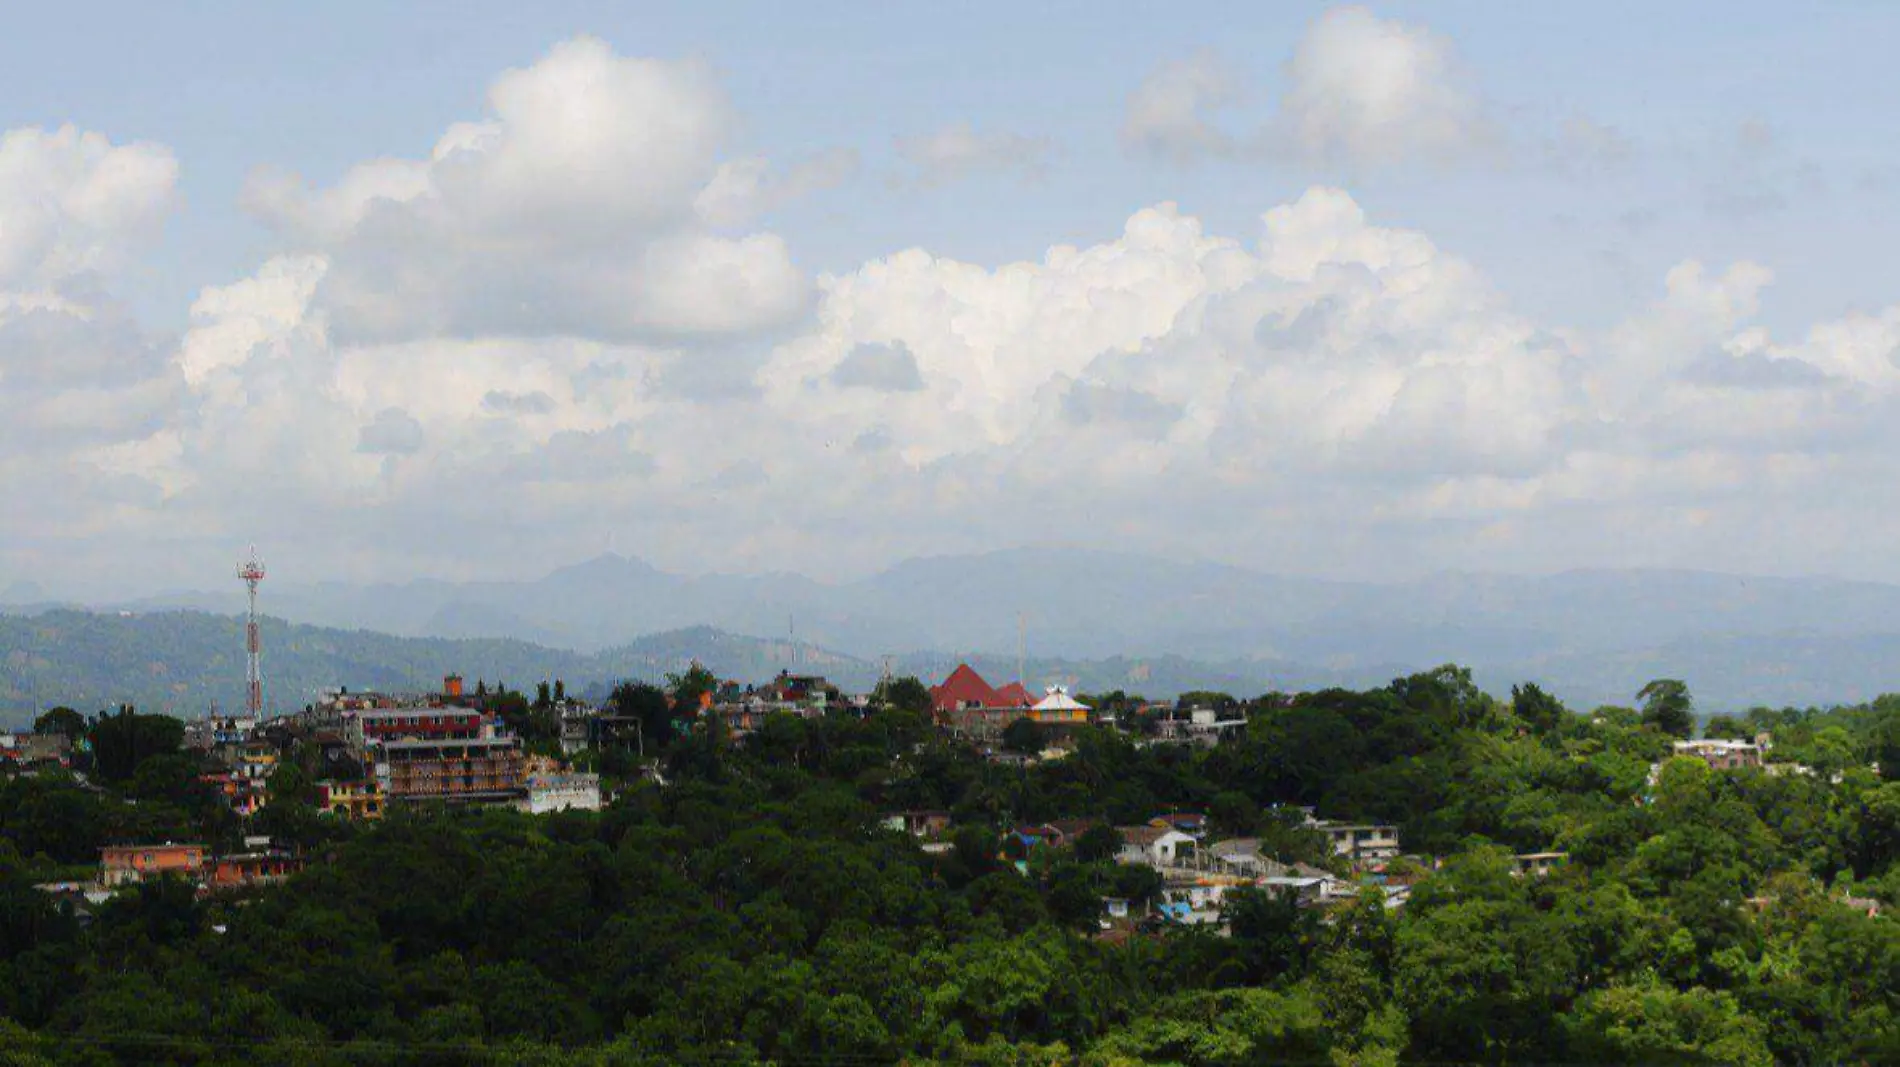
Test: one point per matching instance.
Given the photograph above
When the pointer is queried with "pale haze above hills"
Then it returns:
(1106, 619)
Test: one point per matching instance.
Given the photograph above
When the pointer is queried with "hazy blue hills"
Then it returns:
(182, 661)
(1095, 618)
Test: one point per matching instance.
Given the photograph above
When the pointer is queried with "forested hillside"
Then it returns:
(753, 910)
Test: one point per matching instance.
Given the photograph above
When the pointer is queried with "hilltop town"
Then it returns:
(357, 756)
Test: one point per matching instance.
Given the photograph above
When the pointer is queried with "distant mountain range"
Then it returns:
(1098, 618)
(185, 662)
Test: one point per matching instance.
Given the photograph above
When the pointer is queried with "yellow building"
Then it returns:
(352, 800)
(1058, 708)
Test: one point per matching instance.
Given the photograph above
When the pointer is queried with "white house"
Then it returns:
(1154, 846)
(1359, 841)
(561, 792)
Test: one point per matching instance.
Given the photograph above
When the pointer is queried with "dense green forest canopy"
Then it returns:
(754, 909)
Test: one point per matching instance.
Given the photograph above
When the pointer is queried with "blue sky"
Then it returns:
(317, 88)
(1560, 160)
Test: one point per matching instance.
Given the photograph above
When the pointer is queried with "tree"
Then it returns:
(1538, 709)
(1655, 1023)
(1098, 844)
(646, 703)
(1206, 698)
(1234, 815)
(1273, 933)
(120, 742)
(1667, 707)
(62, 721)
(689, 686)
(1025, 735)
(904, 694)
(171, 779)
(1886, 745)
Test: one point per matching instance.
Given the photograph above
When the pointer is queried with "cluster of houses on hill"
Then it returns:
(32, 751)
(1198, 870)
(377, 751)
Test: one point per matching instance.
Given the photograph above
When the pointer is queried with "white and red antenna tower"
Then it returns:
(252, 571)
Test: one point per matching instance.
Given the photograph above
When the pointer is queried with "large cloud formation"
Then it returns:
(80, 385)
(552, 332)
(574, 210)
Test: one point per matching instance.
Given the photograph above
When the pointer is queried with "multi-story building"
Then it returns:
(360, 799)
(1723, 755)
(1201, 726)
(126, 864)
(215, 731)
(366, 728)
(574, 717)
(482, 768)
(245, 796)
(255, 760)
(550, 791)
(1360, 841)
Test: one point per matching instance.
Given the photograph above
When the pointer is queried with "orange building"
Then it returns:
(124, 864)
(252, 869)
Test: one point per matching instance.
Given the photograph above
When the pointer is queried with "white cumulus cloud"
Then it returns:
(578, 207)
(72, 202)
(1365, 90)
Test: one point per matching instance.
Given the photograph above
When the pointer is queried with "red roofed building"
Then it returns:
(963, 690)
(1014, 695)
(968, 703)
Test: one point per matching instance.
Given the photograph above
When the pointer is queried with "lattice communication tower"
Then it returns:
(252, 571)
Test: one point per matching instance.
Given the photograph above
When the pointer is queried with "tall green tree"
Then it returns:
(124, 739)
(1667, 707)
(646, 703)
(62, 721)
(1537, 709)
(903, 694)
